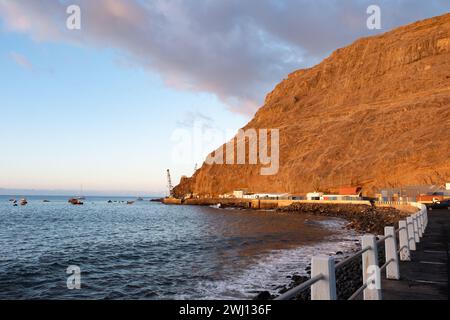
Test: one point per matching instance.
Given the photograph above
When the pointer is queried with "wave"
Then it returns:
(274, 270)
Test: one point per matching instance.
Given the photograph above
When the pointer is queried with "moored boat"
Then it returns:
(75, 201)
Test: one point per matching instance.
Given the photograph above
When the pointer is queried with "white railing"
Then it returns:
(323, 268)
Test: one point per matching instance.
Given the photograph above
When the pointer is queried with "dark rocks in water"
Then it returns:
(297, 280)
(348, 279)
(109, 201)
(46, 201)
(15, 205)
(264, 295)
(363, 218)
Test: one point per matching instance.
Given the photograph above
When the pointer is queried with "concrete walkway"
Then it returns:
(427, 275)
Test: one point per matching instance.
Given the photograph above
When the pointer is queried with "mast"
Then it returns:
(169, 183)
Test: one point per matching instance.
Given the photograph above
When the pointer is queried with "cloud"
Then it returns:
(193, 118)
(237, 50)
(21, 60)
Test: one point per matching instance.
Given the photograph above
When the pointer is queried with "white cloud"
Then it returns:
(237, 50)
(21, 60)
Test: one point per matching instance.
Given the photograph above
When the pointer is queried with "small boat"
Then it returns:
(130, 202)
(23, 202)
(75, 202)
(11, 200)
(139, 199)
(46, 201)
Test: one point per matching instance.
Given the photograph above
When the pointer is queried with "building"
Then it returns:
(447, 186)
(239, 193)
(344, 194)
(350, 192)
(268, 196)
(429, 198)
(410, 193)
(243, 194)
(314, 195)
(297, 197)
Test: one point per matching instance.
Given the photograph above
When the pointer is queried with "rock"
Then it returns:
(372, 220)
(263, 295)
(364, 92)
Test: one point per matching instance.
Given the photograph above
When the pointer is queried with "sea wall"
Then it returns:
(255, 203)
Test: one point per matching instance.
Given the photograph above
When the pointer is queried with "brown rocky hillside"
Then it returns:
(375, 113)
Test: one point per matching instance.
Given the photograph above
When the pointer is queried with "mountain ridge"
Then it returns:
(375, 113)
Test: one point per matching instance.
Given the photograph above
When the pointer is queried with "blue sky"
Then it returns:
(80, 116)
(99, 107)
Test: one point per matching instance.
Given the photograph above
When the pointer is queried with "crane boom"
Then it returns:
(169, 183)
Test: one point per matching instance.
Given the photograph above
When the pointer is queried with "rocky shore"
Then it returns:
(362, 218)
(348, 279)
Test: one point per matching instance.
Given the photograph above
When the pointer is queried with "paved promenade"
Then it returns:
(427, 275)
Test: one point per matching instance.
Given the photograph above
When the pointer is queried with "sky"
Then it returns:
(113, 105)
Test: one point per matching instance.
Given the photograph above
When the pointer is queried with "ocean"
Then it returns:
(152, 251)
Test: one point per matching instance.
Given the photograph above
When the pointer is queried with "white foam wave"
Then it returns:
(272, 271)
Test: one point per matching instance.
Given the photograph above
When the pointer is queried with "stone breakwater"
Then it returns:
(362, 218)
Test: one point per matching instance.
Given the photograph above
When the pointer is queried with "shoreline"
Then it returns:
(362, 219)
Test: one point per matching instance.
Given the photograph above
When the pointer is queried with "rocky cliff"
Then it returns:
(375, 113)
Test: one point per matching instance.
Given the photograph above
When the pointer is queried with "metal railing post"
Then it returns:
(324, 289)
(390, 245)
(371, 269)
(416, 228)
(411, 237)
(404, 242)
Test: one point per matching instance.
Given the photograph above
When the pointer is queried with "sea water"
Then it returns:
(148, 250)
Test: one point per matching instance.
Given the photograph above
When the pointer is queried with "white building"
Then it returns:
(447, 186)
(314, 195)
(239, 193)
(273, 196)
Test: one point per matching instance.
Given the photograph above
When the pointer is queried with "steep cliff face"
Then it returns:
(376, 113)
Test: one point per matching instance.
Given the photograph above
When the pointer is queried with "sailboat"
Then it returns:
(81, 197)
